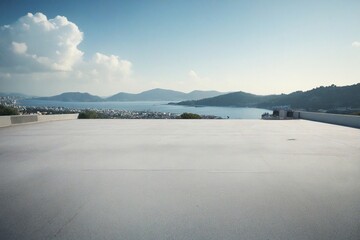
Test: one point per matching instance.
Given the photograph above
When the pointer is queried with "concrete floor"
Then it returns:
(179, 179)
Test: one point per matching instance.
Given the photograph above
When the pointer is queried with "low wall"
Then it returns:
(339, 119)
(5, 121)
(23, 119)
(19, 119)
(57, 117)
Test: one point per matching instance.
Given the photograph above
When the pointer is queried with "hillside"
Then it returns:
(72, 97)
(150, 95)
(197, 94)
(122, 96)
(236, 99)
(159, 94)
(331, 97)
(16, 95)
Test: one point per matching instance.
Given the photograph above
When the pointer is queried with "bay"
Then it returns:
(152, 106)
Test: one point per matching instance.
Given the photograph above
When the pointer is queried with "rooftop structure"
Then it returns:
(179, 179)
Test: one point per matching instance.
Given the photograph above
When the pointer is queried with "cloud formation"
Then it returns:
(356, 44)
(111, 63)
(36, 45)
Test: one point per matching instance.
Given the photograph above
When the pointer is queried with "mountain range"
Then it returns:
(330, 97)
(327, 98)
(72, 97)
(150, 95)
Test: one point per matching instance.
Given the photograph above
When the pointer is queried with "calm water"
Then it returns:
(234, 113)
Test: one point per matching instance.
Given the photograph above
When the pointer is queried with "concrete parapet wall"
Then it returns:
(5, 121)
(23, 119)
(57, 117)
(339, 119)
(20, 119)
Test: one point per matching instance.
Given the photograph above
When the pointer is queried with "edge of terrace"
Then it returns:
(337, 119)
(6, 121)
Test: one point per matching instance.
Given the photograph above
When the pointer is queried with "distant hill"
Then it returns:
(19, 95)
(159, 94)
(122, 96)
(72, 97)
(331, 97)
(235, 99)
(150, 95)
(197, 94)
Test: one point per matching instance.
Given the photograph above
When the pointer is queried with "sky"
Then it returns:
(105, 47)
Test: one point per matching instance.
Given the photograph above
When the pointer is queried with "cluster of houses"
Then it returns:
(280, 113)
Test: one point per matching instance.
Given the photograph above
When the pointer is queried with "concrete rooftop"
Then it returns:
(179, 179)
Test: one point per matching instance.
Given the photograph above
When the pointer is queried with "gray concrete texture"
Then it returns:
(179, 179)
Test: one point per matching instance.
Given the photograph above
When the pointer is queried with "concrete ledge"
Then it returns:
(20, 119)
(23, 119)
(339, 119)
(5, 121)
(57, 117)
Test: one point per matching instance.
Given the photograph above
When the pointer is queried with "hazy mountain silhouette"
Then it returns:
(157, 94)
(150, 95)
(73, 97)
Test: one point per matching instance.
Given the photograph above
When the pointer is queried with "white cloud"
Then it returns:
(19, 48)
(112, 63)
(196, 81)
(193, 75)
(35, 44)
(356, 44)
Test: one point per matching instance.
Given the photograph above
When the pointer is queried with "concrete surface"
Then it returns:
(339, 119)
(180, 179)
(6, 121)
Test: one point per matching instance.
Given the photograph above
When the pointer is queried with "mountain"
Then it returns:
(235, 99)
(122, 96)
(197, 94)
(150, 95)
(72, 97)
(331, 97)
(159, 94)
(18, 95)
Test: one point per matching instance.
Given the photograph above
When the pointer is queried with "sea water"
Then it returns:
(153, 106)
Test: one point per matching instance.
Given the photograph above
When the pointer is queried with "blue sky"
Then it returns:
(262, 47)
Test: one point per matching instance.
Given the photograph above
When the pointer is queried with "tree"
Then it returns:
(5, 110)
(88, 114)
(190, 116)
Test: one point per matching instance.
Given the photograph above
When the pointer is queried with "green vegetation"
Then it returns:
(88, 115)
(331, 97)
(4, 110)
(190, 116)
